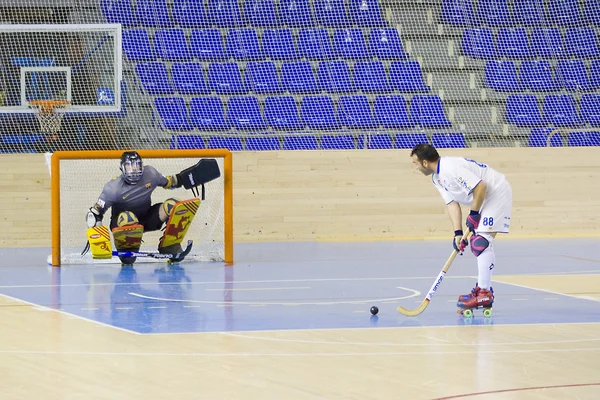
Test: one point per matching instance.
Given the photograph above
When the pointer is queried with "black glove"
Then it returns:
(458, 244)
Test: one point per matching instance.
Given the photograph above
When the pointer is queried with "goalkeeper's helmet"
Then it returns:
(131, 166)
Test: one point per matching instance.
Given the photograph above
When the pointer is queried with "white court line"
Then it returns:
(253, 289)
(550, 291)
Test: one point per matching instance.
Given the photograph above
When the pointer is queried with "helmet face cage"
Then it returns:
(131, 167)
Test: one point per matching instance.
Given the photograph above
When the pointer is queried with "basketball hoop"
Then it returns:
(50, 114)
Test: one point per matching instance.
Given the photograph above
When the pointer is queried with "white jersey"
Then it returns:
(457, 177)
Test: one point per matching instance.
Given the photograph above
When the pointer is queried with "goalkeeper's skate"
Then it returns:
(478, 298)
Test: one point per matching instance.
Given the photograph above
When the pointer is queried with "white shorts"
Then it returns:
(495, 211)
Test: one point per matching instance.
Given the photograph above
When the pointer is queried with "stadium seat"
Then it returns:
(171, 45)
(529, 13)
(173, 113)
(300, 142)
(458, 13)
(262, 143)
(337, 142)
(581, 43)
(583, 139)
(187, 142)
(350, 44)
(494, 13)
(278, 45)
(221, 142)
(244, 113)
(354, 112)
(299, 78)
(370, 77)
(523, 110)
(261, 13)
(448, 140)
(296, 14)
(334, 77)
(153, 13)
(539, 138)
(502, 76)
(188, 78)
(154, 78)
(537, 76)
(318, 113)
(331, 13)
(207, 45)
(224, 13)
(591, 12)
(590, 109)
(564, 13)
(281, 113)
(366, 13)
(314, 45)
(385, 44)
(572, 75)
(547, 43)
(391, 112)
(136, 45)
(513, 43)
(207, 114)
(262, 78)
(478, 43)
(375, 141)
(560, 110)
(225, 78)
(190, 14)
(242, 45)
(118, 12)
(427, 111)
(409, 140)
(595, 74)
(407, 77)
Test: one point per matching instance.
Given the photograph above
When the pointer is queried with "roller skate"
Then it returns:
(478, 298)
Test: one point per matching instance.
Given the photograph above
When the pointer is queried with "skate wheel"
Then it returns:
(468, 313)
(487, 312)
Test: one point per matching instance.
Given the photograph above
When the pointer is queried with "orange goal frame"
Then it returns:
(116, 154)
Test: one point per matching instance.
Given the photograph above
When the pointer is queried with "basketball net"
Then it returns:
(49, 114)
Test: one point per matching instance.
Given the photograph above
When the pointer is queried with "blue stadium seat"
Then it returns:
(391, 112)
(207, 45)
(502, 76)
(225, 78)
(300, 142)
(262, 78)
(221, 142)
(547, 43)
(366, 13)
(244, 113)
(385, 44)
(187, 142)
(595, 74)
(331, 13)
(537, 76)
(591, 12)
(153, 13)
(564, 13)
(278, 45)
(583, 139)
(263, 143)
(538, 137)
(428, 111)
(572, 75)
(478, 43)
(281, 113)
(370, 77)
(188, 78)
(406, 76)
(136, 45)
(296, 14)
(581, 43)
(375, 141)
(350, 44)
(560, 110)
(171, 45)
(242, 45)
(314, 44)
(334, 77)
(448, 140)
(409, 140)
(494, 13)
(298, 77)
(118, 12)
(590, 109)
(513, 43)
(224, 13)
(523, 110)
(261, 13)
(318, 113)
(529, 13)
(173, 113)
(207, 114)
(458, 13)
(154, 78)
(190, 14)
(354, 112)
(337, 142)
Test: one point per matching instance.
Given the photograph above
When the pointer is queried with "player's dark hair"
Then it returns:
(425, 152)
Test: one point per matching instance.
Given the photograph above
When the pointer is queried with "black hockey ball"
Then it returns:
(374, 310)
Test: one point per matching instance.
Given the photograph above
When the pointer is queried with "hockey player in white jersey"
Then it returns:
(489, 195)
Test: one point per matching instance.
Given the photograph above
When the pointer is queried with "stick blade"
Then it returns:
(416, 311)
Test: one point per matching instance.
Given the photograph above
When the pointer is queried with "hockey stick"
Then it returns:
(176, 257)
(434, 287)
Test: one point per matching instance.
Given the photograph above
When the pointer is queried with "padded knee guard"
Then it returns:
(479, 243)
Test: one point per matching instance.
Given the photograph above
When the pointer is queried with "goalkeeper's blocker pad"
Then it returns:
(99, 242)
(205, 171)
